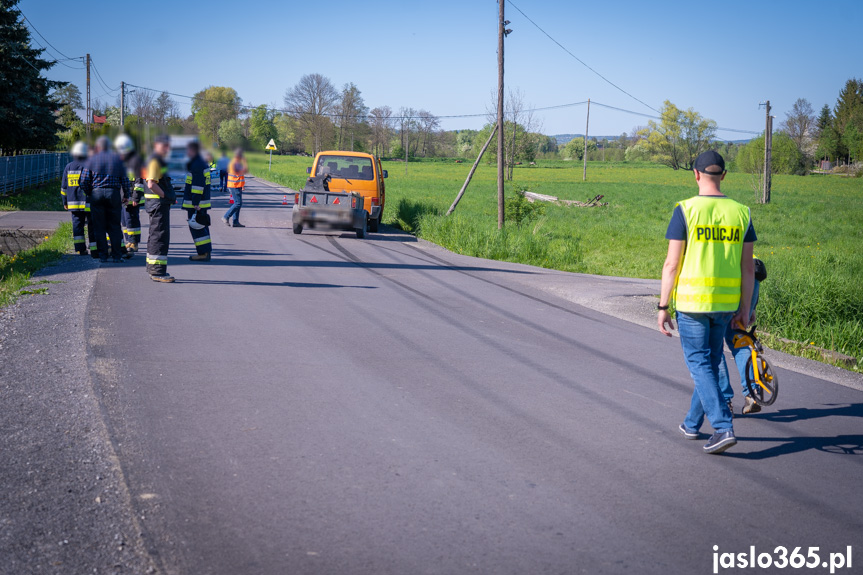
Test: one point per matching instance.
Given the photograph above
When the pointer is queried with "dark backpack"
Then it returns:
(760, 270)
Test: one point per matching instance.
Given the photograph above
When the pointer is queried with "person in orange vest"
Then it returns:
(237, 169)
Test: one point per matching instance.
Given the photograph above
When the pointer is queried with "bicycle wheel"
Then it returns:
(765, 393)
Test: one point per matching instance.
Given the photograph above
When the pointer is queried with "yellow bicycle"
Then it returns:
(762, 382)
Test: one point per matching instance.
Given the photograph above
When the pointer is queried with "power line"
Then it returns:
(582, 62)
(56, 60)
(101, 80)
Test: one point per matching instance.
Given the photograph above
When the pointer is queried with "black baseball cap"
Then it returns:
(707, 160)
(162, 139)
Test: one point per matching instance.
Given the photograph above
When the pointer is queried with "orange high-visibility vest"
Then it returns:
(237, 177)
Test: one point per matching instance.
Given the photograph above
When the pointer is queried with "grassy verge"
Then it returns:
(44, 198)
(15, 271)
(809, 236)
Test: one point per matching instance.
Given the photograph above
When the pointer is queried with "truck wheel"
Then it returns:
(373, 224)
(361, 232)
(298, 228)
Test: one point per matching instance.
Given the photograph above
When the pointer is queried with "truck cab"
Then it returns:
(355, 172)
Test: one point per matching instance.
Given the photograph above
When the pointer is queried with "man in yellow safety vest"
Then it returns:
(709, 275)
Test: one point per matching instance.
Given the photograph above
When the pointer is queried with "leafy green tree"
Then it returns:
(27, 110)
(848, 112)
(679, 137)
(231, 133)
(574, 149)
(261, 126)
(785, 159)
(286, 134)
(214, 105)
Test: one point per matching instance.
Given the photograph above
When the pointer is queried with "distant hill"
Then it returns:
(564, 138)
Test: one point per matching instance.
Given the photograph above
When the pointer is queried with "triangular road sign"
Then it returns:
(271, 145)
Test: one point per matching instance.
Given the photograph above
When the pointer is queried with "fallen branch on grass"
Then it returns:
(595, 202)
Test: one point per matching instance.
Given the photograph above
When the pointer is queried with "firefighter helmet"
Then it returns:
(79, 150)
(124, 144)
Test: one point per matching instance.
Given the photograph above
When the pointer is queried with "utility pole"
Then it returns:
(123, 104)
(586, 127)
(89, 113)
(768, 149)
(407, 141)
(501, 32)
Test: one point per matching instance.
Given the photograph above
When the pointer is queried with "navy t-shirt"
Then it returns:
(677, 228)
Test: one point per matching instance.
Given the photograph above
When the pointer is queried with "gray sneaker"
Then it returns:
(227, 222)
(719, 442)
(749, 405)
(687, 433)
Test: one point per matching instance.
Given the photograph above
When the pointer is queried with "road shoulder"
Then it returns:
(65, 508)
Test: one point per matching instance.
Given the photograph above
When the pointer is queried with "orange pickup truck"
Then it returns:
(355, 172)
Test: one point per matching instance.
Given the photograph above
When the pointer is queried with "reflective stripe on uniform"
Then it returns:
(152, 197)
(197, 189)
(188, 205)
(708, 298)
(205, 205)
(207, 177)
(709, 282)
(202, 241)
(188, 177)
(76, 206)
(157, 260)
(78, 239)
(133, 231)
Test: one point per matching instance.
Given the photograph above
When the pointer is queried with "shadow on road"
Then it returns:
(801, 413)
(247, 262)
(274, 284)
(838, 444)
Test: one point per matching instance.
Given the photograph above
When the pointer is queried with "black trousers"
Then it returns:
(105, 209)
(80, 218)
(159, 236)
(201, 237)
(131, 223)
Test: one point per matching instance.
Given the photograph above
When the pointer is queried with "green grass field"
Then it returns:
(15, 271)
(44, 198)
(810, 235)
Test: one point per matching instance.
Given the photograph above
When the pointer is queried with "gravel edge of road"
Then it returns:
(66, 507)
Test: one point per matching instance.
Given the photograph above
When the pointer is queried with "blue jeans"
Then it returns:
(740, 355)
(234, 210)
(702, 338)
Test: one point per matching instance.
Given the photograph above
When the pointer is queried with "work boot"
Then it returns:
(750, 406)
(200, 257)
(238, 225)
(128, 254)
(165, 279)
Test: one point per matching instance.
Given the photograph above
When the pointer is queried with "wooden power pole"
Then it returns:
(123, 105)
(472, 170)
(586, 127)
(89, 112)
(500, 35)
(768, 159)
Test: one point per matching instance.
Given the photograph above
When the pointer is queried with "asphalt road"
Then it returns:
(323, 404)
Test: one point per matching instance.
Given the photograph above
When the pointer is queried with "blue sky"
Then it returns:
(720, 58)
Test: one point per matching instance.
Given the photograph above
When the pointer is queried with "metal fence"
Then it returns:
(18, 173)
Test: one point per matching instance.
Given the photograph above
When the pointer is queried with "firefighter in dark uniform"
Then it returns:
(131, 214)
(159, 196)
(76, 201)
(196, 201)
